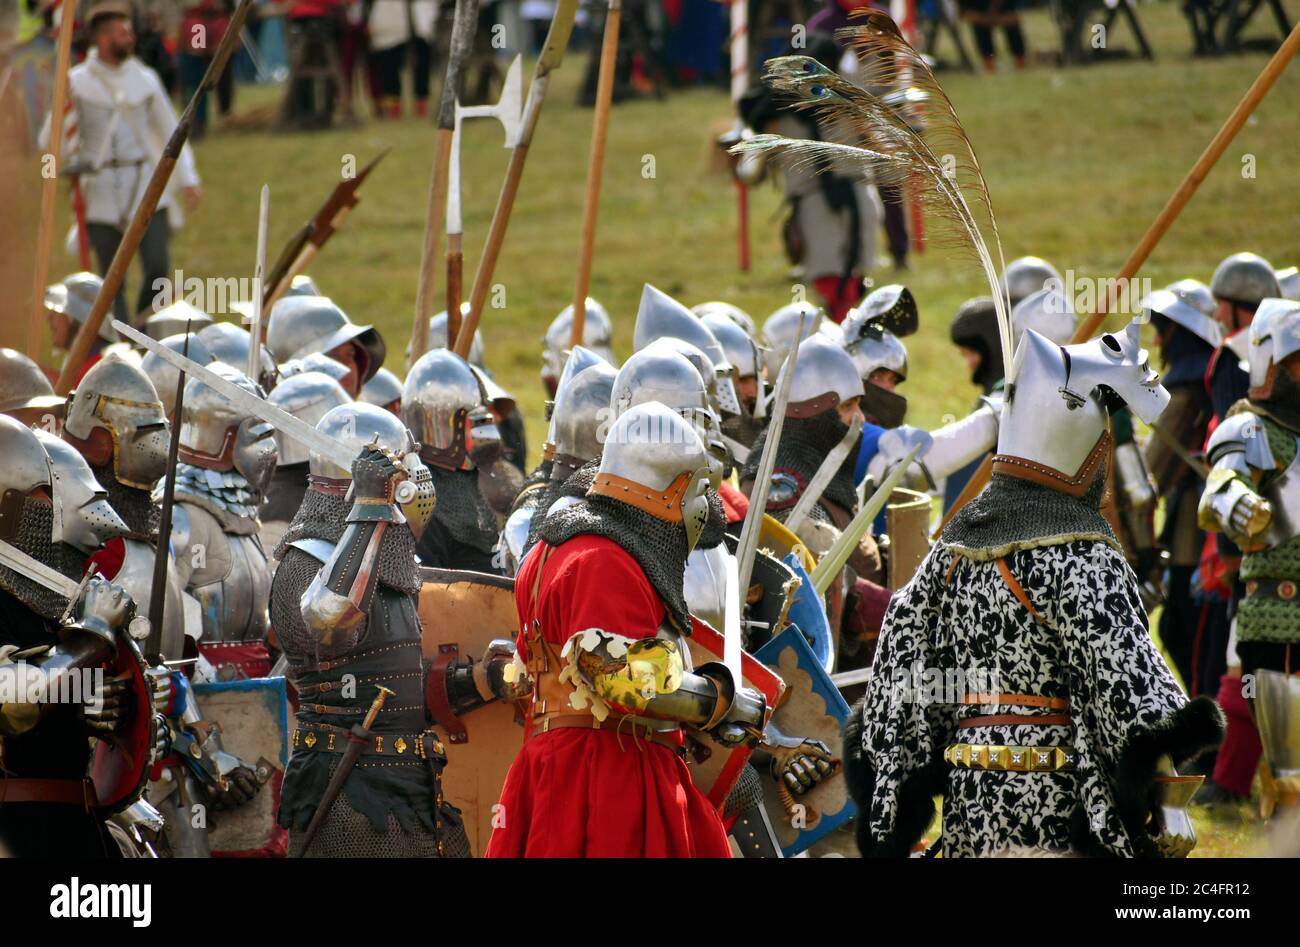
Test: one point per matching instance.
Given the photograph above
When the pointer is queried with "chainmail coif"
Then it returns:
(462, 508)
(35, 527)
(658, 547)
(805, 442)
(1013, 514)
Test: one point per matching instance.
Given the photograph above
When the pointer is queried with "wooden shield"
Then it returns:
(907, 519)
(465, 611)
(813, 708)
(254, 719)
(717, 775)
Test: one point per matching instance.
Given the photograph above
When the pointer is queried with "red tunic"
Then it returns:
(575, 793)
(735, 503)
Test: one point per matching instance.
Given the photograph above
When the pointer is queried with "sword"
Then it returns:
(825, 473)
(11, 557)
(747, 548)
(357, 739)
(731, 644)
(259, 273)
(285, 423)
(833, 561)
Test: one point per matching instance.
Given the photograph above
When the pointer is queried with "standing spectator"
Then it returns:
(985, 16)
(121, 120)
(402, 31)
(202, 26)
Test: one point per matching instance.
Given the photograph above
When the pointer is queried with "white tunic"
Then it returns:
(119, 123)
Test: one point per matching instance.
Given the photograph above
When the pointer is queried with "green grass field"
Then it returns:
(1078, 161)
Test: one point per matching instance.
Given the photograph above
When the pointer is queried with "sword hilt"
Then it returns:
(376, 705)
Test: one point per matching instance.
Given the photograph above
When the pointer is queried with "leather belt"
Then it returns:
(72, 792)
(1016, 720)
(638, 732)
(324, 738)
(1286, 590)
(1011, 759)
(1023, 700)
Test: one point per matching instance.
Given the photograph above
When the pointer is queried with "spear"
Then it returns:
(557, 38)
(1180, 198)
(462, 38)
(49, 187)
(595, 168)
(148, 204)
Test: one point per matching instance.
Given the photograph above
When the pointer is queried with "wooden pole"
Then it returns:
(50, 184)
(557, 40)
(1213, 152)
(462, 38)
(148, 204)
(595, 168)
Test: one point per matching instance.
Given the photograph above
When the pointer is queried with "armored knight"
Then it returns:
(597, 337)
(600, 601)
(226, 463)
(1080, 759)
(305, 325)
(742, 353)
(48, 803)
(25, 393)
(164, 374)
(444, 406)
(308, 397)
(344, 611)
(1240, 283)
(1253, 491)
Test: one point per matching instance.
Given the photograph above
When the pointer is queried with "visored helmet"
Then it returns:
(654, 460)
(1274, 335)
(443, 403)
(83, 517)
(308, 397)
(661, 316)
(118, 397)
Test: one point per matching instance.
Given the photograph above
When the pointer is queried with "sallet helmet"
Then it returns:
(25, 388)
(118, 397)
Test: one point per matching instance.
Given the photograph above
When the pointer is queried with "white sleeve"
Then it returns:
(959, 443)
(163, 119)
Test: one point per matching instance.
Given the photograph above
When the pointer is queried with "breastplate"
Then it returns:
(136, 577)
(234, 609)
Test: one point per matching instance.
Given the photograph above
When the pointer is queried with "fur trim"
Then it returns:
(1194, 728)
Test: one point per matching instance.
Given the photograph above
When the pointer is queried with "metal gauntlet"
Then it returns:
(472, 684)
(647, 677)
(1229, 505)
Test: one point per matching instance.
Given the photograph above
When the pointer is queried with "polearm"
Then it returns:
(462, 39)
(259, 271)
(148, 204)
(50, 185)
(595, 168)
(162, 554)
(739, 83)
(1213, 152)
(557, 39)
(310, 239)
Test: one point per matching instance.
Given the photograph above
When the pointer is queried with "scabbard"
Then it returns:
(356, 740)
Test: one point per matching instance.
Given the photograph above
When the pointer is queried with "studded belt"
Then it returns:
(1011, 759)
(323, 738)
(1285, 589)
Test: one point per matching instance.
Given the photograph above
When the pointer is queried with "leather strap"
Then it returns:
(1043, 475)
(435, 693)
(1016, 589)
(325, 738)
(1023, 700)
(624, 724)
(813, 406)
(664, 504)
(71, 792)
(330, 486)
(1015, 720)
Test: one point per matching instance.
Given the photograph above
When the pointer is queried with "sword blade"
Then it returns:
(286, 423)
(822, 478)
(731, 644)
(14, 558)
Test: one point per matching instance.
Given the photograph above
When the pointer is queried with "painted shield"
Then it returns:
(907, 519)
(716, 773)
(121, 765)
(812, 708)
(808, 612)
(460, 614)
(767, 603)
(254, 719)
